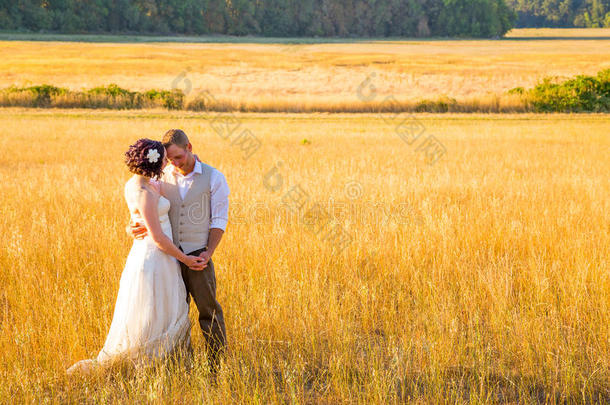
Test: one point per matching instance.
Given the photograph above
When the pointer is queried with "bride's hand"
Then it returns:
(195, 263)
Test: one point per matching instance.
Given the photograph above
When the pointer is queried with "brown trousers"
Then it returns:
(201, 285)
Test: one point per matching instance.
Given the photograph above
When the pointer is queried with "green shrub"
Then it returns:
(111, 90)
(42, 94)
(443, 104)
(114, 96)
(111, 96)
(172, 100)
(580, 94)
(517, 90)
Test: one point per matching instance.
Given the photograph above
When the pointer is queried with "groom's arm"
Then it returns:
(214, 239)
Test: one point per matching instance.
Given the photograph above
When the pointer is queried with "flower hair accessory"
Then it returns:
(153, 155)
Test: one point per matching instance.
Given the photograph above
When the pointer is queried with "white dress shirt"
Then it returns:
(219, 193)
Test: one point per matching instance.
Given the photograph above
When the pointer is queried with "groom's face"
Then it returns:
(181, 158)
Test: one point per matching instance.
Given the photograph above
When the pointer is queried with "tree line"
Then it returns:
(279, 18)
(562, 13)
(301, 18)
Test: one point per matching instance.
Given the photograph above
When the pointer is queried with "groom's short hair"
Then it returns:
(175, 137)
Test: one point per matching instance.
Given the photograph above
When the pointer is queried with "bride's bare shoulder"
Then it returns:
(131, 186)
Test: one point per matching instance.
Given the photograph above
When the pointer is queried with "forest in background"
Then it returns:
(301, 18)
(276, 18)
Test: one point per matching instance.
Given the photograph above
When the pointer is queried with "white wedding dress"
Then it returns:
(151, 313)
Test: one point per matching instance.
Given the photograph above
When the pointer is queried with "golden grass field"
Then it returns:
(318, 76)
(482, 278)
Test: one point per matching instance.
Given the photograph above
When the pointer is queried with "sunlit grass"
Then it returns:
(482, 278)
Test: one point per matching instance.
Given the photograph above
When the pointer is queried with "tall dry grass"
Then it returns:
(483, 278)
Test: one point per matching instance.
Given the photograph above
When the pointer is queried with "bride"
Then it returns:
(151, 313)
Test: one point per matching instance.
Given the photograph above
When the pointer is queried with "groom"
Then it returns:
(198, 194)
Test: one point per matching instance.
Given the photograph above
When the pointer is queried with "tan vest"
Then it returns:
(190, 218)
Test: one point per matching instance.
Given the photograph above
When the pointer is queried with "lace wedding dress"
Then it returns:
(151, 312)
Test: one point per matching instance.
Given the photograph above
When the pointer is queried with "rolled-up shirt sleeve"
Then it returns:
(219, 200)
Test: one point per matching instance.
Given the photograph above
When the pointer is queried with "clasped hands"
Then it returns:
(138, 231)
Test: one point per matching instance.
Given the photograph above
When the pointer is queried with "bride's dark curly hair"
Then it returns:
(137, 160)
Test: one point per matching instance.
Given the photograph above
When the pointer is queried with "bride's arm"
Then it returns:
(147, 205)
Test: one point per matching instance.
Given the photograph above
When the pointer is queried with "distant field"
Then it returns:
(322, 73)
(483, 278)
(559, 33)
